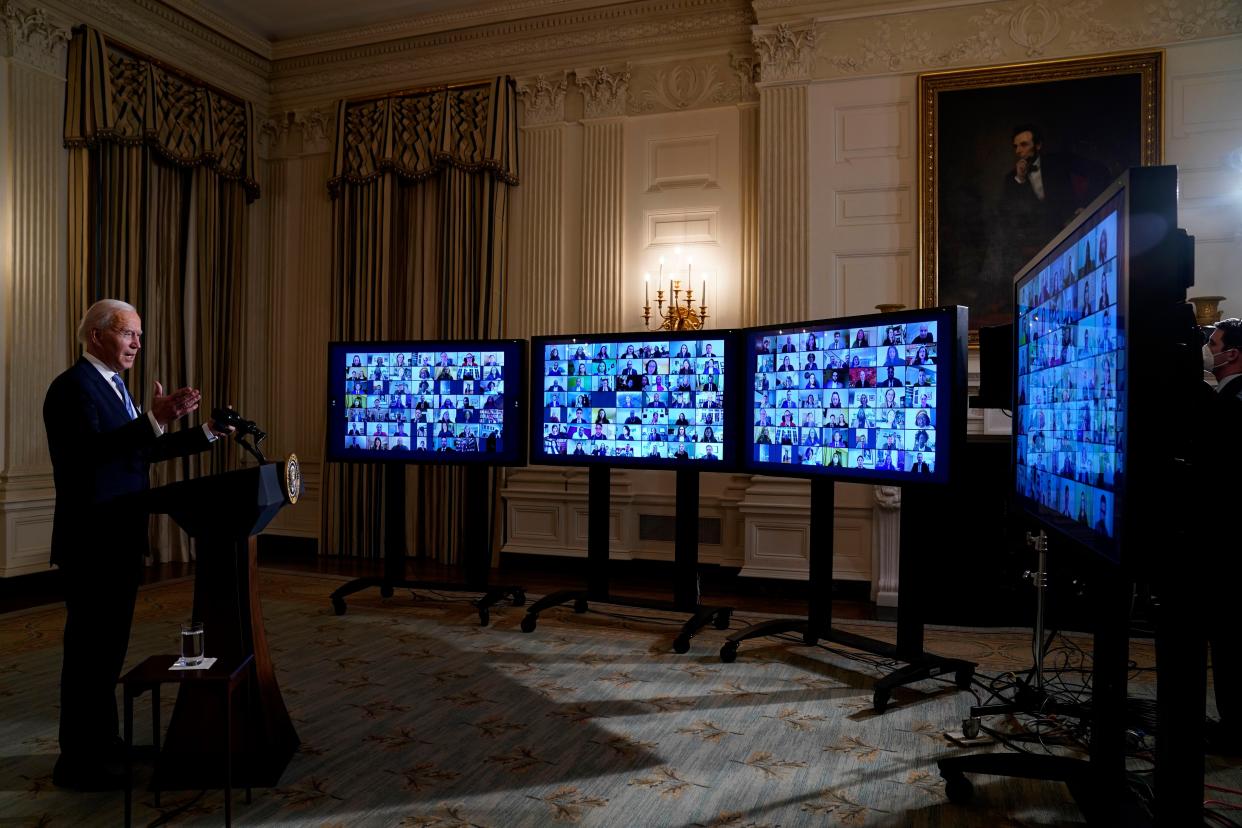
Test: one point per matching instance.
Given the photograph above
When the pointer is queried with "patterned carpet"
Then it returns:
(412, 715)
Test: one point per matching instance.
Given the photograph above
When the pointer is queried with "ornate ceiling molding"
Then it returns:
(502, 11)
(544, 100)
(786, 52)
(32, 39)
(525, 18)
(603, 91)
(523, 48)
(241, 36)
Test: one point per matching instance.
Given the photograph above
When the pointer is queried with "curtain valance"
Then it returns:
(414, 135)
(122, 98)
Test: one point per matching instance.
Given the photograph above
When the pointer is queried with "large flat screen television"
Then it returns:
(1090, 315)
(655, 400)
(873, 399)
(437, 402)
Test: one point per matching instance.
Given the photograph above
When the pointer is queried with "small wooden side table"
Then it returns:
(149, 675)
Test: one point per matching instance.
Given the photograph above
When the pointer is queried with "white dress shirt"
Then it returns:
(107, 373)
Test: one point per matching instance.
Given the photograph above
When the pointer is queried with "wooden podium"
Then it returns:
(223, 513)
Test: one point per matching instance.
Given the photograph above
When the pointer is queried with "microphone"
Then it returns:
(226, 417)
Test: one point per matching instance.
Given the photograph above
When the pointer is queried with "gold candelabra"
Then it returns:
(681, 314)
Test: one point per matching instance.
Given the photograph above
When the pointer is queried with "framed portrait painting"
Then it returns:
(1009, 154)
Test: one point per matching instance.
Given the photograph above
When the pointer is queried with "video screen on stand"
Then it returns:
(658, 399)
(448, 402)
(872, 398)
(1070, 378)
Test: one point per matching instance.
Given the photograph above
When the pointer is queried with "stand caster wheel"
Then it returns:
(962, 679)
(879, 701)
(519, 597)
(728, 653)
(580, 605)
(338, 606)
(810, 639)
(385, 591)
(722, 620)
(681, 644)
(484, 616)
(958, 788)
(528, 623)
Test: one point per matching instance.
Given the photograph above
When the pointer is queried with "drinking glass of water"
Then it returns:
(191, 643)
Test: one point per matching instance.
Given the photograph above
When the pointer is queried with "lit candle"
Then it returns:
(646, 284)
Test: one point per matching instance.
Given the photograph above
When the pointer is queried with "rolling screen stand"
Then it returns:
(817, 625)
(477, 550)
(685, 576)
(1098, 784)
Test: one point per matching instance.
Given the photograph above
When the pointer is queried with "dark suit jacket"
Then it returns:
(99, 456)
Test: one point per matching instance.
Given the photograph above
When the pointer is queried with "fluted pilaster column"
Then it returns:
(602, 225)
(298, 281)
(786, 58)
(603, 196)
(33, 276)
(541, 268)
(748, 152)
(776, 510)
(783, 204)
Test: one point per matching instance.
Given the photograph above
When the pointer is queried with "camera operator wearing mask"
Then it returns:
(1222, 358)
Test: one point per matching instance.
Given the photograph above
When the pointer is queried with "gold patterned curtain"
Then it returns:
(420, 191)
(161, 170)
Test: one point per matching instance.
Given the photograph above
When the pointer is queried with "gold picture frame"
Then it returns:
(1102, 113)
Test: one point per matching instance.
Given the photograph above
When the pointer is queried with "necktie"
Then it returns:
(129, 404)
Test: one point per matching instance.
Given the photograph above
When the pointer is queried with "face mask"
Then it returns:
(1209, 360)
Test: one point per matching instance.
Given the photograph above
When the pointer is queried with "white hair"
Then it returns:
(101, 315)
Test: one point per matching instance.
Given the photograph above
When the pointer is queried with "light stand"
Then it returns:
(1098, 783)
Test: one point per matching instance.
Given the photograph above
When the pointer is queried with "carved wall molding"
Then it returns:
(786, 52)
(1015, 30)
(604, 91)
(888, 498)
(306, 131)
(543, 100)
(31, 38)
(684, 87)
(746, 69)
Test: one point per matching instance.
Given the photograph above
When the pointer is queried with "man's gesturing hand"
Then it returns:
(174, 406)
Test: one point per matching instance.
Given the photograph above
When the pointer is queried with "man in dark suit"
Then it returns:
(1221, 457)
(102, 445)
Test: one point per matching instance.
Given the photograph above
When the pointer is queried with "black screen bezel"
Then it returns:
(728, 441)
(513, 431)
(950, 397)
(1150, 264)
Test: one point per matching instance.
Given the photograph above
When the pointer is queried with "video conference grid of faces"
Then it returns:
(862, 398)
(659, 399)
(1071, 381)
(424, 401)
